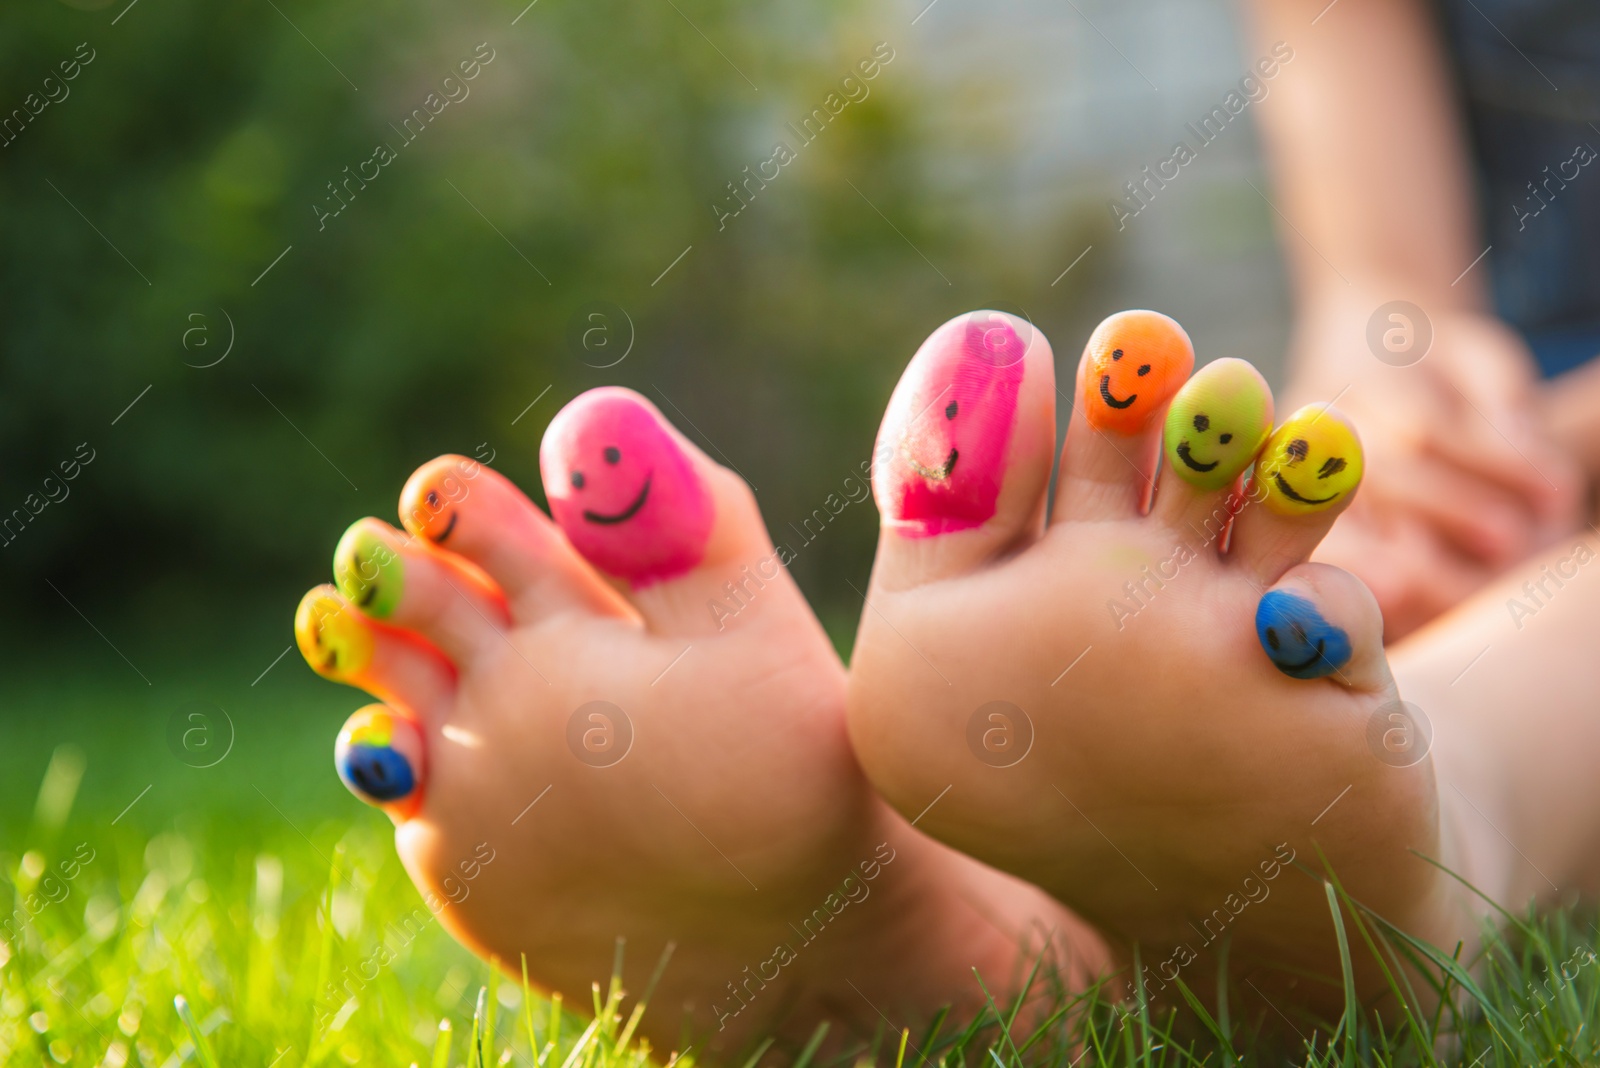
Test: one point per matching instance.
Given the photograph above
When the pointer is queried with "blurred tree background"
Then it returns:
(144, 209)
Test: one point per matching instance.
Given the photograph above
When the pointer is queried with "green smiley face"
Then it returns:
(1217, 423)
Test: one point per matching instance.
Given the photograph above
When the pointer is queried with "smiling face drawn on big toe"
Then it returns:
(1309, 463)
(1217, 423)
(1137, 361)
(622, 489)
(944, 442)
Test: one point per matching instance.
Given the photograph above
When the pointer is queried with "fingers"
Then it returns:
(381, 757)
(1476, 515)
(1320, 622)
(1133, 364)
(1304, 477)
(408, 584)
(474, 511)
(963, 453)
(343, 644)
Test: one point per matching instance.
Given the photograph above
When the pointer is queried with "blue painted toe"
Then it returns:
(1298, 641)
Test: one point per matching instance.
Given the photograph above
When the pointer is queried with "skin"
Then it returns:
(1369, 160)
(596, 758)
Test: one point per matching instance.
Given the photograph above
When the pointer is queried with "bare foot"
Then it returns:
(576, 746)
(1157, 731)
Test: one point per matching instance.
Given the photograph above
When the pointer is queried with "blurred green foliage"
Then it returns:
(142, 209)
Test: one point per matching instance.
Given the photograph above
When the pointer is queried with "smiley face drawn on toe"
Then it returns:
(1298, 641)
(1217, 423)
(627, 513)
(368, 572)
(379, 757)
(1134, 362)
(432, 500)
(622, 489)
(944, 442)
(331, 636)
(1313, 460)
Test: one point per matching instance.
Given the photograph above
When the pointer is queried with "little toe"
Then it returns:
(681, 535)
(381, 757)
(477, 513)
(1305, 476)
(963, 454)
(1215, 427)
(1319, 621)
(343, 644)
(1133, 364)
(409, 584)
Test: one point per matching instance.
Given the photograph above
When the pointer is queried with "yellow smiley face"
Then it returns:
(331, 635)
(1311, 462)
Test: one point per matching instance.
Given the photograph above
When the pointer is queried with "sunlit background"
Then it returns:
(250, 372)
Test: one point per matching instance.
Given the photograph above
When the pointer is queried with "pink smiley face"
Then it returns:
(622, 489)
(942, 450)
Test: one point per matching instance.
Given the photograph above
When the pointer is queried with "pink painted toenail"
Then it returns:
(942, 452)
(626, 495)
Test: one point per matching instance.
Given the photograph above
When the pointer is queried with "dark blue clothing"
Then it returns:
(1529, 78)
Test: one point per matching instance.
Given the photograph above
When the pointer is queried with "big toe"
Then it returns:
(679, 535)
(964, 451)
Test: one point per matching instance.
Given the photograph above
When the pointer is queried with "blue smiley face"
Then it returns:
(1298, 641)
(378, 771)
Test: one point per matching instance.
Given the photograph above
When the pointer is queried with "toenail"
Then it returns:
(1314, 648)
(1230, 397)
(331, 636)
(430, 491)
(379, 757)
(368, 572)
(1117, 400)
(645, 515)
(1309, 463)
(938, 475)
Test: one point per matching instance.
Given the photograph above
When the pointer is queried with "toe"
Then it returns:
(1215, 427)
(343, 644)
(963, 453)
(1134, 363)
(380, 756)
(474, 511)
(1305, 476)
(680, 535)
(1318, 622)
(409, 584)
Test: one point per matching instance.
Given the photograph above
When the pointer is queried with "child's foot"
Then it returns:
(1111, 705)
(627, 722)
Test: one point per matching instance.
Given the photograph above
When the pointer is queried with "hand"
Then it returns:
(1462, 478)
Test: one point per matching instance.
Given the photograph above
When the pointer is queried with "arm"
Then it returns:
(1372, 173)
(1368, 153)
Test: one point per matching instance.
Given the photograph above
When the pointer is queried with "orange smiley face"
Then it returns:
(1133, 364)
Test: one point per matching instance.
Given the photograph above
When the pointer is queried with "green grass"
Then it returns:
(272, 904)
